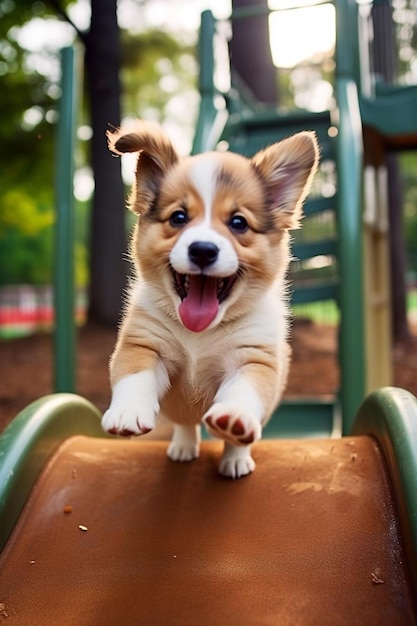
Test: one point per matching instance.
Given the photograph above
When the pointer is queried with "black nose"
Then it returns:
(203, 253)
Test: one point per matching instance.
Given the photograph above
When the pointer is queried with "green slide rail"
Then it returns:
(29, 441)
(389, 415)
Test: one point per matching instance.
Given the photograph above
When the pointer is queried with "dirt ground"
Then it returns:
(26, 366)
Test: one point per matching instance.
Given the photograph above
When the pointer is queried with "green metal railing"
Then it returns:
(349, 156)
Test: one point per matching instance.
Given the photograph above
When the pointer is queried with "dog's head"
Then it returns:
(214, 227)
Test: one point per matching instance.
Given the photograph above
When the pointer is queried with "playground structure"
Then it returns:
(98, 530)
(369, 119)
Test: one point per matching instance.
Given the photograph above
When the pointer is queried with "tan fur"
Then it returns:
(245, 345)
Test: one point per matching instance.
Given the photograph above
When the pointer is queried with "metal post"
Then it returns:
(349, 168)
(64, 341)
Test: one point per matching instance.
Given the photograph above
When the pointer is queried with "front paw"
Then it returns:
(134, 406)
(232, 425)
(126, 422)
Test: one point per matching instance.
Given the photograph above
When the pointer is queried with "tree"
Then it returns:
(156, 70)
(385, 67)
(250, 52)
(28, 135)
(108, 267)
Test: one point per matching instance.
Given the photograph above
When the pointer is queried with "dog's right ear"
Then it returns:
(156, 156)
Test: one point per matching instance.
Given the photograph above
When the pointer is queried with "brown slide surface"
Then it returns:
(115, 533)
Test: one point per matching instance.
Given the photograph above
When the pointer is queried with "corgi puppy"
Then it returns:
(204, 334)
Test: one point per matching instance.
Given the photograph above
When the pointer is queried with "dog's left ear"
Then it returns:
(156, 156)
(287, 168)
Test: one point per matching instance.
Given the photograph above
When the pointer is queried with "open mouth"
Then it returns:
(201, 296)
(222, 286)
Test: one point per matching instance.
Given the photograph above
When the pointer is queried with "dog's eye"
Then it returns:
(238, 223)
(178, 218)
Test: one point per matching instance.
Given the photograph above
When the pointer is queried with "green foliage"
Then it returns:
(405, 20)
(26, 158)
(155, 67)
(408, 165)
(21, 212)
(26, 258)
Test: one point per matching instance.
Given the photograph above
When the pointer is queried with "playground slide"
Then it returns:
(104, 531)
(95, 530)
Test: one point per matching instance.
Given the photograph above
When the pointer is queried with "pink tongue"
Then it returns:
(200, 307)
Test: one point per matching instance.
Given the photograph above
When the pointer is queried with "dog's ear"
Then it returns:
(156, 156)
(287, 168)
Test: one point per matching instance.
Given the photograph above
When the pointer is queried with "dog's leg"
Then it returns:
(185, 444)
(238, 427)
(236, 461)
(236, 417)
(135, 403)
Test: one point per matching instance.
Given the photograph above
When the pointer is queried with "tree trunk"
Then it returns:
(398, 261)
(385, 68)
(108, 267)
(250, 52)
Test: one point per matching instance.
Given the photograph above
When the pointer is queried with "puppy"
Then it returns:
(204, 335)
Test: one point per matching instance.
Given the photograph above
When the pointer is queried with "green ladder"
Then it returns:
(247, 129)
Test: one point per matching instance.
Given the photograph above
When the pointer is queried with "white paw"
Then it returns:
(232, 424)
(185, 444)
(126, 422)
(133, 407)
(181, 452)
(236, 462)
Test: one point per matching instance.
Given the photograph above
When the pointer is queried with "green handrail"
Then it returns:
(28, 442)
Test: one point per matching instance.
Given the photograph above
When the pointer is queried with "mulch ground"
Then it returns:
(26, 366)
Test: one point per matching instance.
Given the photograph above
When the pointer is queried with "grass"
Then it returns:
(318, 312)
(412, 301)
(328, 313)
